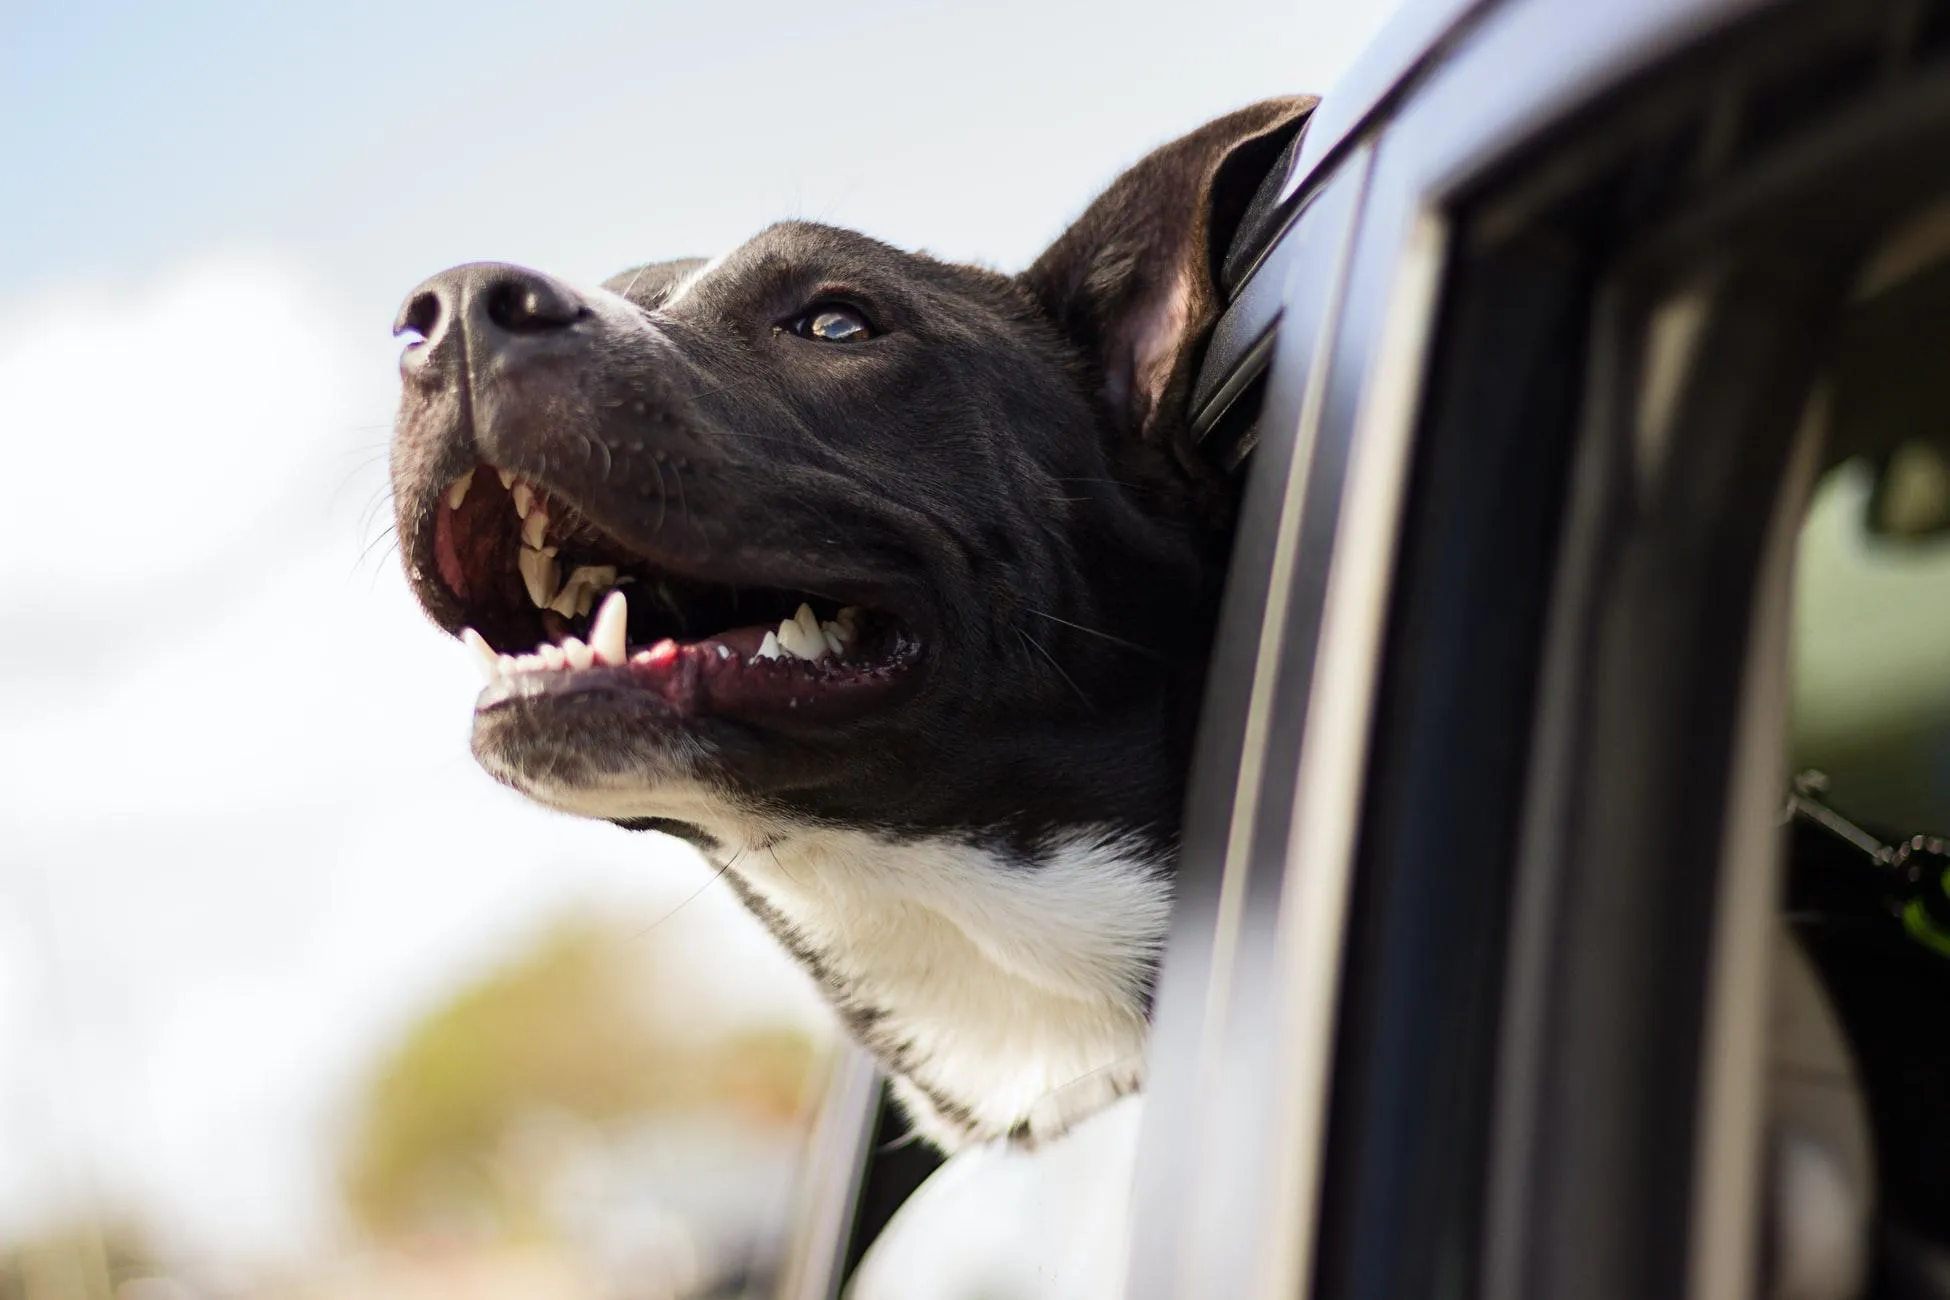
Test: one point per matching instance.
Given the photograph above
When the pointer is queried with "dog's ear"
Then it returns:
(1133, 282)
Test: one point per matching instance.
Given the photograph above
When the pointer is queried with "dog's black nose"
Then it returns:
(491, 303)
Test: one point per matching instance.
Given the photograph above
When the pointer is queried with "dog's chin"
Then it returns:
(602, 754)
(609, 743)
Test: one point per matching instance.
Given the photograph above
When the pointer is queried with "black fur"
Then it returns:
(983, 467)
(1003, 467)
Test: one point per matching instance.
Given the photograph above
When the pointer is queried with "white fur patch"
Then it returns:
(1019, 985)
(1011, 989)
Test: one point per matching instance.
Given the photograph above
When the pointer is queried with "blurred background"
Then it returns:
(294, 1002)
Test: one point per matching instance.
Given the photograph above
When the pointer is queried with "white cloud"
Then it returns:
(152, 423)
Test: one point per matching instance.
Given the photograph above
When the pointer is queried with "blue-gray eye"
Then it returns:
(833, 323)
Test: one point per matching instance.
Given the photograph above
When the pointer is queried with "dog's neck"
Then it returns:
(1004, 986)
(1005, 989)
(1006, 992)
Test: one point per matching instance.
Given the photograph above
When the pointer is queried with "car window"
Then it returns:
(1867, 890)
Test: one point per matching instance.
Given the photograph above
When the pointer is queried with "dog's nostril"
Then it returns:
(421, 314)
(525, 305)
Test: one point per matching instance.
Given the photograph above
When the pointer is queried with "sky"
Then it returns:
(241, 843)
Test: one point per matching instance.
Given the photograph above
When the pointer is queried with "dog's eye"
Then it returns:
(833, 323)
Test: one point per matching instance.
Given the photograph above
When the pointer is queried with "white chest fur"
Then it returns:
(1005, 993)
(1009, 993)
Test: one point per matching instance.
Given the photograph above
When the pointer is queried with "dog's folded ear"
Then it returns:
(1133, 282)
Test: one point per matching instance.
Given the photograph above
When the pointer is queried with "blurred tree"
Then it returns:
(82, 1260)
(585, 1026)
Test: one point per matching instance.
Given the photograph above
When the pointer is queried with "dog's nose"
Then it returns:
(490, 304)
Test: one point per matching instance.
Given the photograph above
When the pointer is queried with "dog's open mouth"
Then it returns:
(554, 605)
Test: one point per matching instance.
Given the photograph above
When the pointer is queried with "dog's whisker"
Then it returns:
(683, 502)
(692, 897)
(1133, 1062)
(1044, 652)
(1114, 640)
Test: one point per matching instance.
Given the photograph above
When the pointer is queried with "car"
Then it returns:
(1588, 370)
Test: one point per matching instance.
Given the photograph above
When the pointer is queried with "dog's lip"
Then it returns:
(744, 672)
(689, 682)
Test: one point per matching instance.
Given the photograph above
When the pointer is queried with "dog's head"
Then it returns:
(827, 530)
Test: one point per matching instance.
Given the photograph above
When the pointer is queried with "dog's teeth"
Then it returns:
(524, 499)
(835, 637)
(578, 594)
(578, 654)
(490, 661)
(608, 634)
(795, 642)
(768, 648)
(594, 576)
(809, 624)
(553, 656)
(724, 652)
(534, 527)
(507, 477)
(507, 664)
(541, 574)
(457, 490)
(849, 618)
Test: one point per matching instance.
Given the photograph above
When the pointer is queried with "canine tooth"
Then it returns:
(768, 648)
(608, 635)
(524, 499)
(490, 661)
(795, 641)
(457, 490)
(541, 574)
(533, 528)
(578, 654)
(507, 477)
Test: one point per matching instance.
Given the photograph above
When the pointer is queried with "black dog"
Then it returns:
(886, 582)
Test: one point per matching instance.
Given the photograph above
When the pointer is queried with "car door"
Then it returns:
(1490, 1013)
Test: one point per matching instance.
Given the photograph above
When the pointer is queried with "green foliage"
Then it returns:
(584, 1026)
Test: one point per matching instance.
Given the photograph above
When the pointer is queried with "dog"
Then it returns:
(886, 582)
